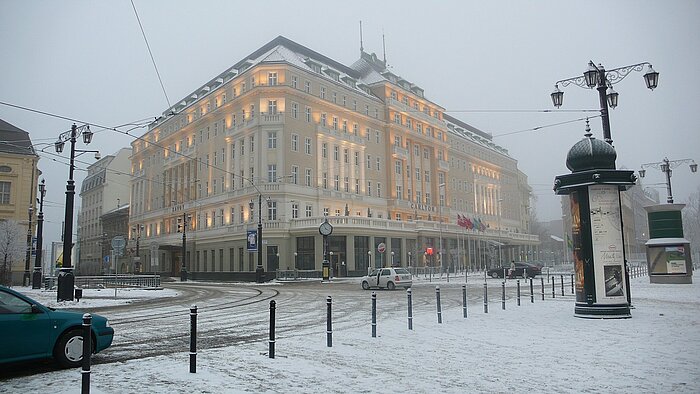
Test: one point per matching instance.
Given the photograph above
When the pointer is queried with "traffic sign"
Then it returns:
(118, 242)
(381, 248)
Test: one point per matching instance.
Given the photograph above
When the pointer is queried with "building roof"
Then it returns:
(15, 140)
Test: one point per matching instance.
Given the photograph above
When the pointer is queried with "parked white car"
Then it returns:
(388, 278)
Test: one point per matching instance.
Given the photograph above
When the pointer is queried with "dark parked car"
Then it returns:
(522, 269)
(29, 330)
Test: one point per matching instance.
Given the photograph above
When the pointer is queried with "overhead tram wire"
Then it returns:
(545, 126)
(151, 53)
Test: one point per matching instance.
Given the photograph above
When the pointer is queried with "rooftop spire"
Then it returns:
(361, 47)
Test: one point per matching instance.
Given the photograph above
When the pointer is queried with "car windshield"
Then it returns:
(374, 272)
(402, 271)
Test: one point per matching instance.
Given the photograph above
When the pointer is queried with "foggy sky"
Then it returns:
(488, 63)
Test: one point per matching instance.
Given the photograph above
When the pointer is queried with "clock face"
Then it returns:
(325, 228)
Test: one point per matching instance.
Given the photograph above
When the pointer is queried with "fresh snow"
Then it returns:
(536, 347)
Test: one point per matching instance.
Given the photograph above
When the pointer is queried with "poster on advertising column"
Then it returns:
(606, 232)
(252, 240)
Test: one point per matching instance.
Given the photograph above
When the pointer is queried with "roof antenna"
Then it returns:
(384, 47)
(361, 48)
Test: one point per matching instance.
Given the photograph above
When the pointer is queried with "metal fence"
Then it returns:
(110, 281)
(298, 274)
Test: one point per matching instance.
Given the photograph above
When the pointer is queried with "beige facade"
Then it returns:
(19, 178)
(315, 138)
(106, 187)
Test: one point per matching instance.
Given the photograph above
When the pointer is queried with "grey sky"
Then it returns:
(87, 60)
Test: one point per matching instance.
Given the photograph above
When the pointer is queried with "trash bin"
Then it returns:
(78, 294)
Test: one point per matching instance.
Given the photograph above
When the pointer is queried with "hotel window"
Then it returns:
(336, 153)
(419, 197)
(428, 201)
(323, 119)
(399, 192)
(346, 156)
(243, 146)
(357, 186)
(397, 167)
(397, 140)
(347, 184)
(295, 175)
(394, 96)
(441, 178)
(419, 126)
(367, 110)
(416, 150)
(295, 81)
(295, 110)
(223, 98)
(325, 180)
(397, 118)
(369, 188)
(335, 97)
(355, 129)
(367, 133)
(272, 210)
(295, 142)
(272, 172)
(376, 135)
(337, 212)
(369, 161)
(307, 177)
(325, 211)
(272, 78)
(379, 190)
(426, 153)
(336, 182)
(5, 192)
(295, 210)
(271, 140)
(409, 123)
(252, 143)
(417, 174)
(233, 150)
(307, 86)
(379, 163)
(409, 195)
(354, 105)
(427, 176)
(307, 145)
(335, 123)
(243, 89)
(323, 92)
(309, 211)
(357, 158)
(376, 113)
(405, 100)
(345, 126)
(308, 114)
(324, 150)
(345, 100)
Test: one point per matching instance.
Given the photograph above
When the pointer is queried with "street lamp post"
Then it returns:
(66, 279)
(500, 234)
(27, 276)
(666, 166)
(36, 276)
(183, 269)
(369, 261)
(137, 260)
(440, 202)
(598, 76)
(259, 270)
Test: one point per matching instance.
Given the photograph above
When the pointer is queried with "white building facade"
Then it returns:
(315, 138)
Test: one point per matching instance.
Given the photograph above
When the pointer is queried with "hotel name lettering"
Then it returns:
(423, 207)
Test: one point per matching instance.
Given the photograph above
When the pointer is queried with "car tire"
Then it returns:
(365, 285)
(390, 285)
(494, 275)
(69, 349)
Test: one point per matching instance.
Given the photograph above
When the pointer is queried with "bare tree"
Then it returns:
(12, 248)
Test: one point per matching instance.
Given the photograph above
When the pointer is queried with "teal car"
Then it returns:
(29, 330)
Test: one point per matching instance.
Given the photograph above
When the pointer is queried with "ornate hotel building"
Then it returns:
(314, 138)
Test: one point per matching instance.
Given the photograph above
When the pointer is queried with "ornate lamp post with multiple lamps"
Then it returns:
(259, 270)
(602, 277)
(66, 279)
(36, 275)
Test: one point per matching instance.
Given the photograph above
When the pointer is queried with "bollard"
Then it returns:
(572, 283)
(486, 299)
(464, 300)
(374, 315)
(562, 285)
(532, 294)
(409, 294)
(87, 351)
(553, 289)
(542, 281)
(272, 328)
(193, 339)
(437, 300)
(329, 327)
(503, 295)
(518, 282)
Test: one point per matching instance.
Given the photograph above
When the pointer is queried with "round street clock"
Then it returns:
(325, 228)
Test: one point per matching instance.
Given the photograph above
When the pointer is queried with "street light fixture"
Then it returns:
(36, 276)
(66, 279)
(666, 166)
(440, 203)
(604, 79)
(137, 261)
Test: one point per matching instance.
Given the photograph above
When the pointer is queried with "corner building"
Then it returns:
(315, 138)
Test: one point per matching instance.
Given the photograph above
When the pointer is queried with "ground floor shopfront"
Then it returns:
(356, 245)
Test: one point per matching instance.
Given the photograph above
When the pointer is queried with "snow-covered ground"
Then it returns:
(536, 347)
(96, 298)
